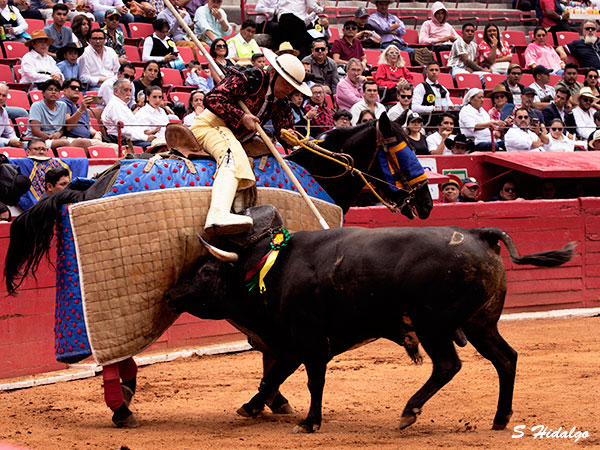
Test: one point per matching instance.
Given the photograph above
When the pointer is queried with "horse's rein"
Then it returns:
(313, 147)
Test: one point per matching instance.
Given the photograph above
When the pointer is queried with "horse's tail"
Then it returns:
(31, 236)
(550, 258)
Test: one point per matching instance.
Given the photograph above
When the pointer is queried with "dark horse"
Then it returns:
(32, 232)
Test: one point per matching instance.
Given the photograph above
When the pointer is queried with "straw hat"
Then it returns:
(286, 47)
(500, 89)
(290, 68)
(586, 91)
(595, 138)
(36, 36)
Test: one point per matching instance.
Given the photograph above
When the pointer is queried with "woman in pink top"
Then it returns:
(540, 53)
(391, 72)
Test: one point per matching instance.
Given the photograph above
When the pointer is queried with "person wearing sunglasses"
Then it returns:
(219, 52)
(391, 73)
(437, 31)
(507, 192)
(115, 38)
(525, 135)
(584, 113)
(404, 95)
(98, 62)
(591, 80)
(586, 50)
(349, 46)
(323, 68)
(561, 108)
(558, 141)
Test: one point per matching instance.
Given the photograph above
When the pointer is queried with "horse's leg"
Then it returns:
(446, 364)
(487, 340)
(113, 396)
(279, 371)
(278, 403)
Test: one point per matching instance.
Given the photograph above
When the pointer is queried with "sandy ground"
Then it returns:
(191, 403)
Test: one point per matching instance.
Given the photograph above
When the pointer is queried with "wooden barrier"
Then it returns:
(27, 321)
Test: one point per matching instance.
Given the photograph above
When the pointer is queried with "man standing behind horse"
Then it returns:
(223, 122)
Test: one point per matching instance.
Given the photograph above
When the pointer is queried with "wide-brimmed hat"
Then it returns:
(60, 53)
(290, 68)
(286, 47)
(500, 89)
(595, 138)
(586, 91)
(36, 36)
(460, 139)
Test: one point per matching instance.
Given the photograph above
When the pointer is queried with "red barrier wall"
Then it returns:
(26, 321)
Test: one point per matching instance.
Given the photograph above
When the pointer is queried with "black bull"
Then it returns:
(332, 290)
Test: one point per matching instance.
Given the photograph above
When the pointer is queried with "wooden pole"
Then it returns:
(261, 132)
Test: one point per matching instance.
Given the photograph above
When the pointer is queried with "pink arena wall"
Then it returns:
(27, 321)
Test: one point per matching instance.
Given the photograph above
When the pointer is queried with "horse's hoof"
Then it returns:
(406, 421)
(500, 423)
(280, 405)
(303, 427)
(127, 395)
(498, 426)
(126, 422)
(247, 411)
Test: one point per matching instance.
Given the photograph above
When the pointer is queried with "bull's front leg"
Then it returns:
(279, 371)
(315, 371)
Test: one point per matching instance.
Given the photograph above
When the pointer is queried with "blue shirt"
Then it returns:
(68, 70)
(50, 121)
(78, 131)
(60, 40)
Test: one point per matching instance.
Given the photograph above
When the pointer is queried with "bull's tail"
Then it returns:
(31, 236)
(550, 258)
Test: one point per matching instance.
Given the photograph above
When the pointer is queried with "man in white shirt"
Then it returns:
(211, 22)
(463, 54)
(475, 122)
(405, 96)
(430, 95)
(8, 137)
(13, 22)
(106, 92)
(521, 137)
(584, 113)
(368, 102)
(98, 62)
(544, 93)
(436, 142)
(118, 111)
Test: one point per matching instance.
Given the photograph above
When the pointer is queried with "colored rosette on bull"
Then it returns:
(256, 276)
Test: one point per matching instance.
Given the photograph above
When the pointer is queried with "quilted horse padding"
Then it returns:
(119, 254)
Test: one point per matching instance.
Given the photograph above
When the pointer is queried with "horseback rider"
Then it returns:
(222, 125)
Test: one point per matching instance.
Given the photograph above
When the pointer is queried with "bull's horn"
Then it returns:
(221, 255)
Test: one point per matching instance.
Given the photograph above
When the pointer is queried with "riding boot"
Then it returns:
(219, 218)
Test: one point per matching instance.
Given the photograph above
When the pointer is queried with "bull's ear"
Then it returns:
(221, 255)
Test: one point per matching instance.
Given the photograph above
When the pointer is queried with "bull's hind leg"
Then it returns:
(445, 365)
(315, 370)
(487, 340)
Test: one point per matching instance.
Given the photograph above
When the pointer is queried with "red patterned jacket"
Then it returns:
(249, 84)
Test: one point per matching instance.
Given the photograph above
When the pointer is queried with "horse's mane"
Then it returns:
(31, 236)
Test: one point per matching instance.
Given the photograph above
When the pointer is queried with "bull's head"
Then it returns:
(209, 291)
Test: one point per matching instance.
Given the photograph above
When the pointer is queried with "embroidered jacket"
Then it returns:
(249, 84)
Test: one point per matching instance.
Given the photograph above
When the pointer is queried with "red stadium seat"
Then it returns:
(468, 80)
(17, 72)
(22, 125)
(479, 36)
(101, 152)
(17, 98)
(492, 79)
(171, 76)
(182, 97)
(417, 78)
(6, 74)
(549, 39)
(137, 149)
(15, 50)
(372, 56)
(487, 104)
(36, 95)
(140, 30)
(411, 37)
(444, 59)
(187, 54)
(566, 37)
(527, 79)
(70, 152)
(13, 152)
(132, 53)
(445, 79)
(554, 79)
(514, 37)
(34, 24)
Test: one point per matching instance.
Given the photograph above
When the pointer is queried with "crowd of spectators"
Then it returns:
(66, 60)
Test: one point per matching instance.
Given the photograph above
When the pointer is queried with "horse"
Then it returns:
(32, 232)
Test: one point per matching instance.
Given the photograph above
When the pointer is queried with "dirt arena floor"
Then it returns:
(191, 403)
